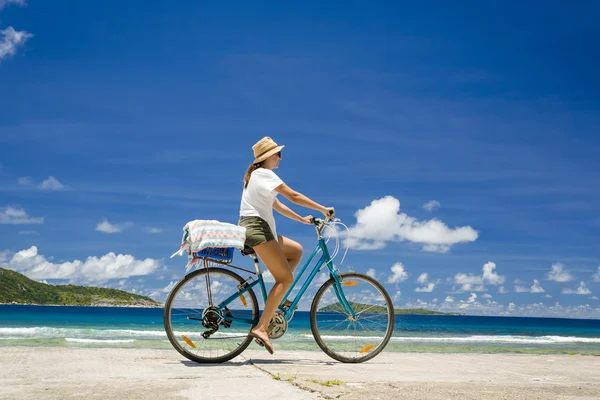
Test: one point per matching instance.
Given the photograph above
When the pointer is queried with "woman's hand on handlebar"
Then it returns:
(329, 212)
(307, 220)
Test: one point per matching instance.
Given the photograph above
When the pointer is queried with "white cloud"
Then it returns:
(427, 288)
(521, 289)
(491, 307)
(468, 287)
(51, 184)
(319, 279)
(436, 248)
(596, 276)
(398, 273)
(107, 227)
(151, 229)
(10, 40)
(371, 273)
(501, 290)
(472, 298)
(92, 270)
(581, 290)
(490, 276)
(169, 287)
(4, 3)
(423, 277)
(17, 216)
(470, 279)
(536, 287)
(382, 222)
(268, 277)
(431, 205)
(29, 233)
(486, 296)
(558, 274)
(476, 283)
(25, 181)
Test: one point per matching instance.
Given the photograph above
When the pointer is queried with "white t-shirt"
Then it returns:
(259, 196)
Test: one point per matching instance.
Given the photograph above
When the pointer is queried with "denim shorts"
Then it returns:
(258, 231)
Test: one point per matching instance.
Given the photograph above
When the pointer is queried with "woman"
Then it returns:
(281, 255)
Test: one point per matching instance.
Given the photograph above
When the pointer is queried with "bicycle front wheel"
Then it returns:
(196, 326)
(340, 335)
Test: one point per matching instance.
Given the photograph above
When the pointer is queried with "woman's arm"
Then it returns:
(302, 200)
(285, 210)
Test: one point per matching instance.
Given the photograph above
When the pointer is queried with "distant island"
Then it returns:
(358, 307)
(16, 288)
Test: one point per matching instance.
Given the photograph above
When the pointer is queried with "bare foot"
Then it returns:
(262, 338)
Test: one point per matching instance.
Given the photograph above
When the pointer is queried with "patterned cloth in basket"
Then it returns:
(199, 235)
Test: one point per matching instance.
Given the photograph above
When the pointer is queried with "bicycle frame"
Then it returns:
(324, 260)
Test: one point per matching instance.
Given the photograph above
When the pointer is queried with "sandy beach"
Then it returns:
(59, 373)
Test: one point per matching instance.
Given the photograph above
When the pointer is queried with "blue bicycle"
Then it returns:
(210, 312)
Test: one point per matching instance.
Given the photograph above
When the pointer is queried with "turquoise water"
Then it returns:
(143, 328)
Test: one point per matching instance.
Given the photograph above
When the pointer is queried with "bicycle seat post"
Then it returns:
(256, 263)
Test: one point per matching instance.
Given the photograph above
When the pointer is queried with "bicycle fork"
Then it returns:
(339, 292)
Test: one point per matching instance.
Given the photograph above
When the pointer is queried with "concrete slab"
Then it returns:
(59, 373)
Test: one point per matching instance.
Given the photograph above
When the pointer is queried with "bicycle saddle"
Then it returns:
(246, 251)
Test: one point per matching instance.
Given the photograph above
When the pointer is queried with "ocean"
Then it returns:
(61, 326)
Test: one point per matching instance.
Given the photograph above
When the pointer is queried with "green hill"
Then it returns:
(17, 288)
(358, 307)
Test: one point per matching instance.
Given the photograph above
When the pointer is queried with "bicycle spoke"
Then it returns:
(365, 310)
(229, 338)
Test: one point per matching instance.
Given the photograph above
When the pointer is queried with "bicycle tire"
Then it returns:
(315, 329)
(167, 317)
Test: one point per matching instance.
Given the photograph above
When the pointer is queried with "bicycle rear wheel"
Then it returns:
(352, 339)
(197, 329)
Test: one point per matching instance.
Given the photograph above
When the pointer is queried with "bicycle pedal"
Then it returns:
(259, 342)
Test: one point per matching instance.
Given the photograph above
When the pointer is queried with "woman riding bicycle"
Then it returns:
(280, 254)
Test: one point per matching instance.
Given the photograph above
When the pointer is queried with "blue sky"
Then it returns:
(121, 121)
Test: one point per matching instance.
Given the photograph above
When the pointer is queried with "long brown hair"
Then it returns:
(251, 169)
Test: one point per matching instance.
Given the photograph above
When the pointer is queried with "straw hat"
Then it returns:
(264, 149)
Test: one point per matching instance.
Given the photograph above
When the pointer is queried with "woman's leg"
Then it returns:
(292, 251)
(293, 254)
(274, 259)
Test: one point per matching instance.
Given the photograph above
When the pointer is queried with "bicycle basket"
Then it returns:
(220, 254)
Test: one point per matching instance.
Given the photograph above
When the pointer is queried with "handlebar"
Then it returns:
(320, 224)
(318, 221)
